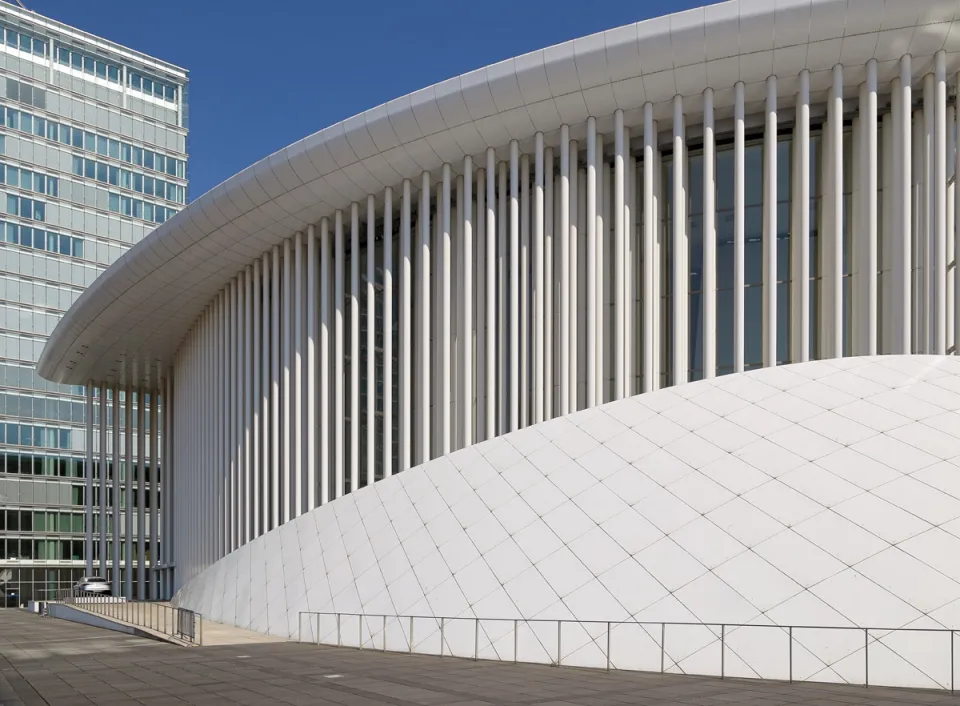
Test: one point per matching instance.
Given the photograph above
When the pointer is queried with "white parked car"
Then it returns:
(92, 584)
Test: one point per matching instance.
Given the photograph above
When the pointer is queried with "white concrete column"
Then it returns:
(458, 334)
(939, 313)
(709, 279)
(265, 377)
(573, 297)
(619, 300)
(103, 482)
(956, 220)
(115, 457)
(869, 125)
(524, 287)
(480, 315)
(592, 237)
(681, 278)
(538, 362)
(631, 272)
(371, 339)
(919, 223)
(801, 307)
(255, 402)
(423, 379)
(238, 419)
(354, 347)
(952, 278)
(490, 305)
(339, 472)
(444, 324)
(924, 313)
(514, 279)
(649, 298)
(155, 496)
(217, 441)
(405, 407)
(467, 295)
(276, 516)
(770, 228)
(128, 479)
(166, 484)
(232, 402)
(903, 246)
(549, 285)
(388, 332)
(286, 336)
(88, 490)
(325, 396)
(738, 229)
(248, 480)
(142, 496)
(436, 308)
(602, 229)
(503, 350)
(833, 279)
(564, 279)
(310, 432)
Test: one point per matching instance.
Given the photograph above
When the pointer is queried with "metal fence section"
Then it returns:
(914, 657)
(168, 620)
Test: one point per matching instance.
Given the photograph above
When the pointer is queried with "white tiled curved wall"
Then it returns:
(818, 494)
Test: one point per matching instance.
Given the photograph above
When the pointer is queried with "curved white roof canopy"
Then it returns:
(131, 321)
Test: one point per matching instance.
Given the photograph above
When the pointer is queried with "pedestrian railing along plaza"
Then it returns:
(912, 657)
(165, 619)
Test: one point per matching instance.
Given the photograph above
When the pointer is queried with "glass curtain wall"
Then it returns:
(753, 252)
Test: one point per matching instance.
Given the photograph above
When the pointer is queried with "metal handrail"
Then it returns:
(171, 621)
(719, 630)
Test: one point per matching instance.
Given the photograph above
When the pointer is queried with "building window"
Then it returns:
(134, 181)
(26, 208)
(84, 139)
(152, 86)
(23, 41)
(88, 64)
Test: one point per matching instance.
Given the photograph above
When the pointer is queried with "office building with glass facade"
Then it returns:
(655, 326)
(93, 156)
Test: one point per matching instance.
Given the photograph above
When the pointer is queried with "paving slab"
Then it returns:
(58, 663)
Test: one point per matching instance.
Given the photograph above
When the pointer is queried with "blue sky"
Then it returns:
(265, 74)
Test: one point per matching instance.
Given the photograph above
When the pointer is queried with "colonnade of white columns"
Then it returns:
(128, 468)
(553, 274)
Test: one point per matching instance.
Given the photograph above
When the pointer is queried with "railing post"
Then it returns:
(411, 634)
(723, 655)
(318, 628)
(384, 633)
(339, 642)
(359, 632)
(790, 650)
(200, 630)
(866, 657)
(608, 645)
(442, 625)
(515, 641)
(663, 645)
(559, 642)
(476, 639)
(951, 663)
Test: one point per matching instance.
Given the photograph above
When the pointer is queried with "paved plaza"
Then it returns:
(57, 663)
